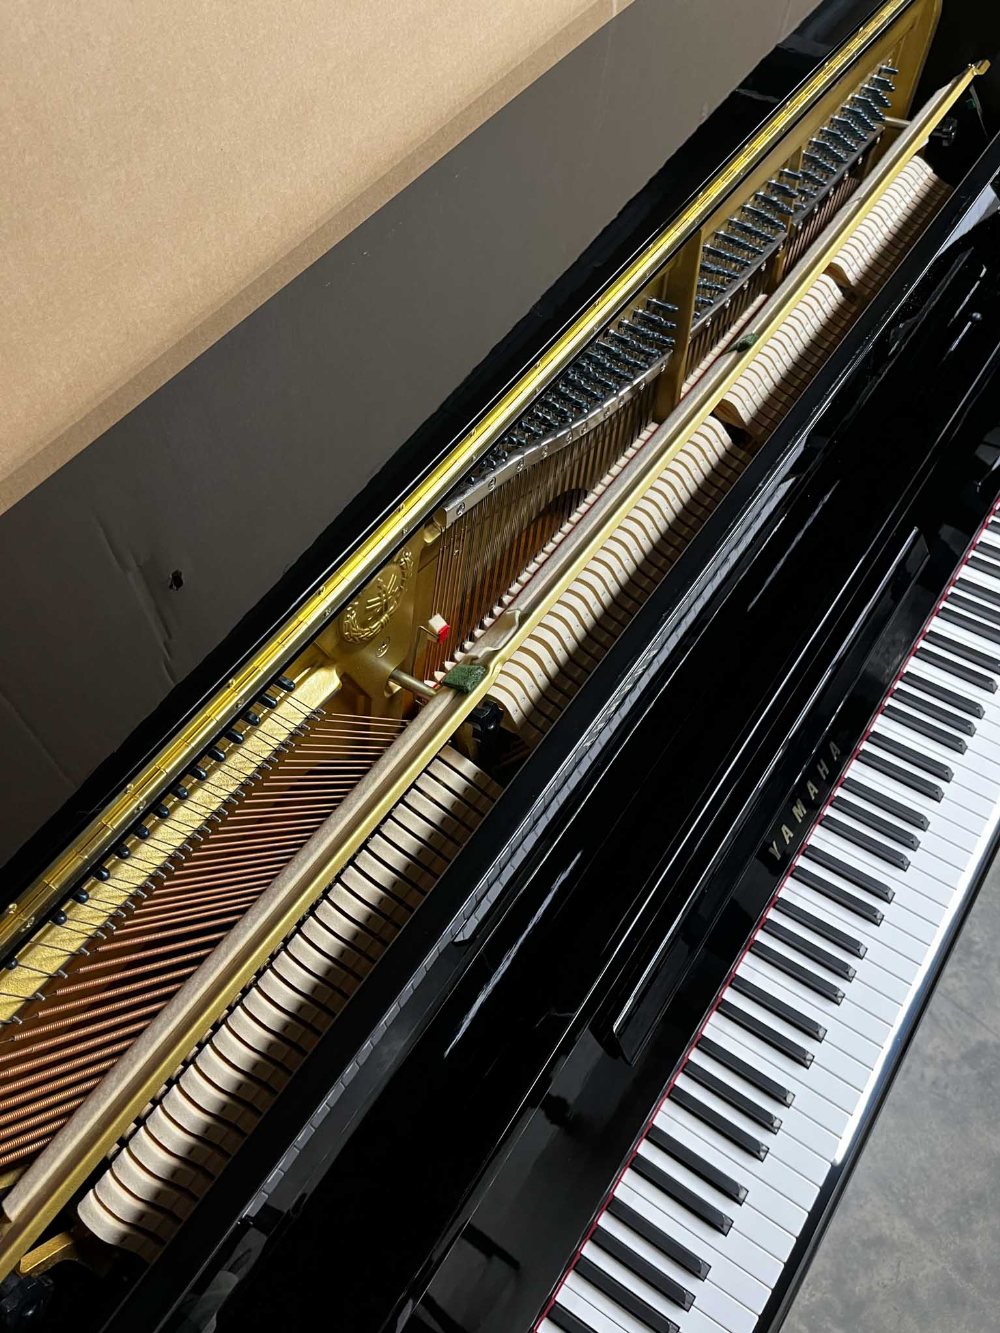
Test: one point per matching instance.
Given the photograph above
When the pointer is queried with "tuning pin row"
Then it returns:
(611, 363)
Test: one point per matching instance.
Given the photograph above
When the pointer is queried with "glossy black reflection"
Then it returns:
(499, 1092)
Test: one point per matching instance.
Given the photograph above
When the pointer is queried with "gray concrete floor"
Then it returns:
(914, 1244)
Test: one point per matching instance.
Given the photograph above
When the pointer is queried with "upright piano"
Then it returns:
(515, 923)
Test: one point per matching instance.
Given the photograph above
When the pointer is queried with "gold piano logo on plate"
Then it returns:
(369, 614)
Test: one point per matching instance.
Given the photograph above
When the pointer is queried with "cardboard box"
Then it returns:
(168, 170)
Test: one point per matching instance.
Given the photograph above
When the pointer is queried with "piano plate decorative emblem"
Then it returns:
(370, 612)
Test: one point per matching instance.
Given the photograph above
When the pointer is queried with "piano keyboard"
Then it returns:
(705, 1214)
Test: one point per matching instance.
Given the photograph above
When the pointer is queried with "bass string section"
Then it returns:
(82, 1017)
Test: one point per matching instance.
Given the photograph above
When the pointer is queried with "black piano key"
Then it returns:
(875, 846)
(673, 1249)
(901, 775)
(988, 632)
(777, 1040)
(859, 878)
(231, 734)
(805, 976)
(957, 669)
(802, 1022)
(962, 650)
(621, 1295)
(987, 546)
(905, 752)
(978, 610)
(214, 752)
(712, 1217)
(746, 1071)
(699, 1166)
(708, 1115)
(984, 566)
(808, 949)
(873, 821)
(566, 1320)
(921, 727)
(820, 927)
(642, 1268)
(977, 590)
(945, 716)
(906, 813)
(760, 1115)
(285, 683)
(845, 899)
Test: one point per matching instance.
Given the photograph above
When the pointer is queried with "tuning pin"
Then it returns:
(749, 230)
(617, 355)
(775, 205)
(761, 216)
(856, 117)
(871, 107)
(595, 368)
(837, 137)
(828, 148)
(703, 302)
(664, 307)
(716, 270)
(820, 164)
(645, 334)
(888, 69)
(880, 82)
(716, 253)
(847, 127)
(653, 320)
(717, 287)
(748, 246)
(814, 179)
(876, 94)
(582, 385)
(784, 189)
(567, 395)
(821, 155)
(627, 342)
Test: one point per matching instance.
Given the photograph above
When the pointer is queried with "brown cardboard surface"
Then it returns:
(168, 167)
(234, 468)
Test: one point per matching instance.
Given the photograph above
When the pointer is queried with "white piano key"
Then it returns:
(825, 1054)
(807, 1131)
(962, 836)
(774, 1188)
(746, 1271)
(850, 1032)
(963, 826)
(785, 1145)
(918, 892)
(868, 970)
(596, 1309)
(809, 1100)
(744, 1253)
(895, 951)
(869, 1012)
(941, 859)
(711, 1303)
(975, 770)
